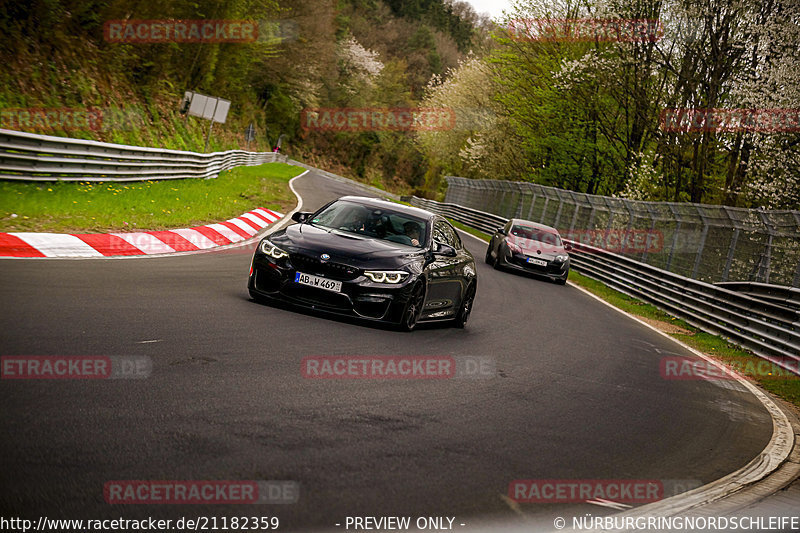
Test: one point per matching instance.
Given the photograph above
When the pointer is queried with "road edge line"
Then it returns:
(769, 460)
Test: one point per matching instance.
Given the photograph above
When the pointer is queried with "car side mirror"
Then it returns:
(301, 217)
(567, 247)
(501, 231)
(439, 248)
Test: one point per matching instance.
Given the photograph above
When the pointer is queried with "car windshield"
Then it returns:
(373, 222)
(533, 234)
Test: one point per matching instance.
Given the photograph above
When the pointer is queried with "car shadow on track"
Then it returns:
(524, 274)
(355, 321)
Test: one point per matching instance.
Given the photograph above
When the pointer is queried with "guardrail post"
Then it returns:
(675, 235)
(590, 224)
(652, 230)
(701, 245)
(558, 213)
(796, 280)
(518, 213)
(767, 254)
(533, 203)
(575, 214)
(610, 214)
(731, 250)
(631, 217)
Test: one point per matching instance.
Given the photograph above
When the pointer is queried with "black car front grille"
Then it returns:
(313, 265)
(314, 296)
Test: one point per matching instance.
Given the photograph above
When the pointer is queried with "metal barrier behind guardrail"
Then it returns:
(33, 157)
(768, 329)
(777, 294)
(708, 242)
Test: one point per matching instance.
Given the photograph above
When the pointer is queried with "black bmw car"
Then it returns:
(370, 259)
(530, 247)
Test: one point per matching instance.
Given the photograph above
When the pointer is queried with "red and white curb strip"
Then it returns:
(231, 231)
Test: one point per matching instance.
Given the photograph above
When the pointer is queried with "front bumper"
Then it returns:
(518, 261)
(359, 297)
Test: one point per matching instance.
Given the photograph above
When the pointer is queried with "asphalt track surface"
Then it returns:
(578, 395)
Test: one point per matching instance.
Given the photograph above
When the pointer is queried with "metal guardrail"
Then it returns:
(768, 329)
(777, 294)
(33, 157)
(708, 242)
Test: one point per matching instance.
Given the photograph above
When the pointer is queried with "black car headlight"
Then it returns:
(271, 250)
(561, 258)
(386, 276)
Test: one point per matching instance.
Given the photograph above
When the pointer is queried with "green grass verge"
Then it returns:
(785, 386)
(472, 231)
(89, 207)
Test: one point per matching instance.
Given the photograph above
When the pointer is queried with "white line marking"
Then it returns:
(473, 236)
(147, 342)
(58, 244)
(771, 457)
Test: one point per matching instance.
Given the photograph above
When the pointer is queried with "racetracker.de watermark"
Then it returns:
(618, 240)
(397, 367)
(686, 369)
(172, 492)
(378, 119)
(730, 120)
(75, 367)
(180, 31)
(50, 119)
(585, 30)
(633, 491)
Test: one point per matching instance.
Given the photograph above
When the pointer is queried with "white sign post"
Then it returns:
(207, 107)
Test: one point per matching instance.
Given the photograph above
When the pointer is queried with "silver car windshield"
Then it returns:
(533, 234)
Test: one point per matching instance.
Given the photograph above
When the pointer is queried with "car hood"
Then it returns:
(344, 247)
(538, 249)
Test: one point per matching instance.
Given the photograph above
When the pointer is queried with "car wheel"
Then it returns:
(489, 258)
(498, 261)
(466, 307)
(413, 308)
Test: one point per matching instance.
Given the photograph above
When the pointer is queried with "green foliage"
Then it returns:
(56, 56)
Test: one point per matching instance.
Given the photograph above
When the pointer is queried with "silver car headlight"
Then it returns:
(386, 276)
(561, 258)
(271, 250)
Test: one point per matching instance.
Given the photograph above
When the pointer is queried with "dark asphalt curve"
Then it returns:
(578, 395)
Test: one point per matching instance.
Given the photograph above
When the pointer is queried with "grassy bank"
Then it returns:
(87, 207)
(784, 386)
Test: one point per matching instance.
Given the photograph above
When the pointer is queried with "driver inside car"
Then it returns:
(412, 231)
